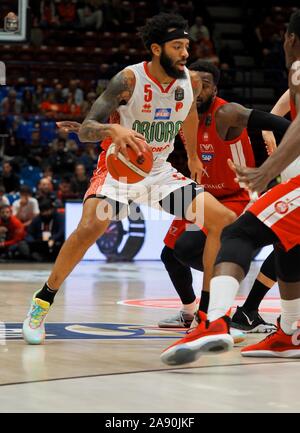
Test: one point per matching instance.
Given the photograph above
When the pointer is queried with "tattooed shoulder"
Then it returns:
(122, 86)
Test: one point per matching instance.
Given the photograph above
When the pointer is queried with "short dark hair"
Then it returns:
(204, 66)
(157, 26)
(45, 204)
(294, 23)
(25, 189)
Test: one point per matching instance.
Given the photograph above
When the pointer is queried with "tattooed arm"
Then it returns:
(94, 128)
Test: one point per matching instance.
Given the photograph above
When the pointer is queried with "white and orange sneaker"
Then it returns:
(207, 337)
(277, 345)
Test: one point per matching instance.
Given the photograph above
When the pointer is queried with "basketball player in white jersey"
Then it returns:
(151, 101)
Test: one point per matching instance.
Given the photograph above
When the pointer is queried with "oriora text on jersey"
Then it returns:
(159, 132)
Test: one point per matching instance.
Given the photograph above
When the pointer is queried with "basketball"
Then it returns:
(129, 171)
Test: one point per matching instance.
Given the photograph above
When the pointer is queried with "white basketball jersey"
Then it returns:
(157, 112)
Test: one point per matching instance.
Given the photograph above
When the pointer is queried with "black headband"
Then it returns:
(174, 34)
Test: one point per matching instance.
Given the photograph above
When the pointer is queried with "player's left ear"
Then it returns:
(215, 90)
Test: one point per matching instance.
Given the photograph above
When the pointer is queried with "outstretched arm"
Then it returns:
(287, 152)
(237, 116)
(281, 108)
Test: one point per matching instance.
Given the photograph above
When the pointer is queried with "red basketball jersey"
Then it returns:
(293, 109)
(213, 151)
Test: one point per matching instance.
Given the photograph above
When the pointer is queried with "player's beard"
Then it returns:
(169, 67)
(204, 106)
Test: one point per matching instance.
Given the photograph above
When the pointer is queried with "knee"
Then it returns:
(227, 218)
(89, 230)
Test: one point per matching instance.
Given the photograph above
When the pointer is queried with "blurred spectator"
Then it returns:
(10, 104)
(65, 191)
(39, 95)
(90, 17)
(12, 149)
(48, 173)
(46, 233)
(198, 27)
(48, 13)
(10, 180)
(62, 161)
(45, 191)
(80, 181)
(113, 14)
(28, 103)
(66, 10)
(265, 32)
(128, 15)
(87, 104)
(75, 90)
(89, 157)
(204, 49)
(3, 199)
(27, 207)
(186, 9)
(34, 149)
(11, 232)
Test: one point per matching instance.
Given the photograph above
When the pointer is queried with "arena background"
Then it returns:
(70, 51)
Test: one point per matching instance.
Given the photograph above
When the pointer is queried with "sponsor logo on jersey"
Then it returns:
(215, 186)
(159, 132)
(281, 207)
(147, 108)
(179, 94)
(179, 106)
(160, 148)
(207, 152)
(162, 113)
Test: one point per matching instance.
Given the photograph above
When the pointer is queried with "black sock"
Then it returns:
(46, 294)
(256, 295)
(204, 301)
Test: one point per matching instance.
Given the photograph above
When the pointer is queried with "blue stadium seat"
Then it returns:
(48, 132)
(24, 130)
(30, 176)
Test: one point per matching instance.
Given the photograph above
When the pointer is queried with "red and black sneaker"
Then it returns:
(207, 337)
(277, 345)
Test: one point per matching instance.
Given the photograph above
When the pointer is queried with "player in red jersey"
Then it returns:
(221, 135)
(273, 219)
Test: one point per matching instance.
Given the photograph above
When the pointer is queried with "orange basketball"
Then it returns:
(129, 171)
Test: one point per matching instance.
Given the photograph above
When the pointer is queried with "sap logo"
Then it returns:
(162, 113)
(207, 157)
(207, 148)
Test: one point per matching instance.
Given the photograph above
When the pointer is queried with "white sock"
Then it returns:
(290, 313)
(223, 290)
(189, 308)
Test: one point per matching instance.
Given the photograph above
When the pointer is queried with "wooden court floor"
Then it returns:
(103, 346)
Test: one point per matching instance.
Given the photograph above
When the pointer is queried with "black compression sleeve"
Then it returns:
(268, 122)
